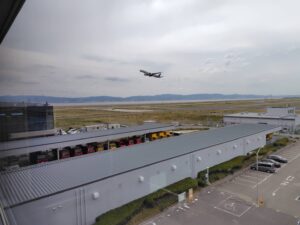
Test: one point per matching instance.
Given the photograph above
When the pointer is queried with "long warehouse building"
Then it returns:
(77, 190)
(285, 117)
(26, 146)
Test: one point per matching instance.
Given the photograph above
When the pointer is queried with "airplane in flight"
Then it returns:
(156, 75)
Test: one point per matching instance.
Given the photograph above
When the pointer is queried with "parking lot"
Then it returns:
(279, 191)
(212, 207)
(235, 200)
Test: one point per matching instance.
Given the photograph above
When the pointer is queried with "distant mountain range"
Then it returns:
(95, 99)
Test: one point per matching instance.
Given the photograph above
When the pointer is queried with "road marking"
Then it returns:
(221, 202)
(290, 178)
(151, 223)
(288, 155)
(245, 211)
(284, 183)
(266, 178)
(243, 175)
(257, 173)
(234, 214)
(242, 184)
(186, 206)
(294, 158)
(274, 192)
(181, 208)
(241, 179)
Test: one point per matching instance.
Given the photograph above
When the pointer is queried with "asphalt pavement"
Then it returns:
(234, 201)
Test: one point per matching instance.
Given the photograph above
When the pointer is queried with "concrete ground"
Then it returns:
(278, 191)
(234, 200)
(213, 207)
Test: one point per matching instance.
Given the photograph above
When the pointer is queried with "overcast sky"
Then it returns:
(96, 47)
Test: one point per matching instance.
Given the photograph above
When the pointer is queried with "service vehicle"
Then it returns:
(264, 167)
(277, 158)
(276, 164)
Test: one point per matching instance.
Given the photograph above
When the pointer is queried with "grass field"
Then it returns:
(205, 113)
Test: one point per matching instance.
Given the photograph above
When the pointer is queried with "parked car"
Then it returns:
(277, 158)
(276, 164)
(263, 166)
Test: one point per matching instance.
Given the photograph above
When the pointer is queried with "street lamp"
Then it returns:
(257, 173)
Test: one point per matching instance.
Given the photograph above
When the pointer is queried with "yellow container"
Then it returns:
(153, 136)
(162, 134)
(100, 147)
(112, 146)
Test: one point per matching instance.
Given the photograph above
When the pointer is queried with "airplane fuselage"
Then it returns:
(157, 75)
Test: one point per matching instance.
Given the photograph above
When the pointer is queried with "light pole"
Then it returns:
(207, 175)
(257, 174)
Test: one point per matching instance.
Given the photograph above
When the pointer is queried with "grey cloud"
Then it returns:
(150, 64)
(101, 59)
(87, 77)
(41, 69)
(15, 80)
(227, 63)
(116, 79)
(44, 66)
(185, 39)
(7, 78)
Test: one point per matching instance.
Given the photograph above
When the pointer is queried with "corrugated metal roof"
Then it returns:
(46, 143)
(43, 180)
(261, 116)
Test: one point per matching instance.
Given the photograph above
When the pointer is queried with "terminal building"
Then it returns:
(25, 120)
(285, 117)
(77, 190)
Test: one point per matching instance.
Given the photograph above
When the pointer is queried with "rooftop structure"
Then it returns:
(58, 176)
(55, 142)
(285, 117)
(22, 120)
(77, 190)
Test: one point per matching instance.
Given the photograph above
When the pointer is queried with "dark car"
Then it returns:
(263, 166)
(277, 158)
(276, 164)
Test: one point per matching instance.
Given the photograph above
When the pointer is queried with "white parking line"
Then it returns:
(260, 175)
(247, 176)
(241, 184)
(228, 197)
(274, 192)
(290, 178)
(266, 178)
(245, 211)
(297, 156)
(246, 180)
(257, 173)
(234, 214)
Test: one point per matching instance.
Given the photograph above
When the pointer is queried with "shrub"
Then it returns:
(161, 198)
(121, 215)
(149, 202)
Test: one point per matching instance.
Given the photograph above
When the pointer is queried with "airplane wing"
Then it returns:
(157, 75)
(146, 73)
